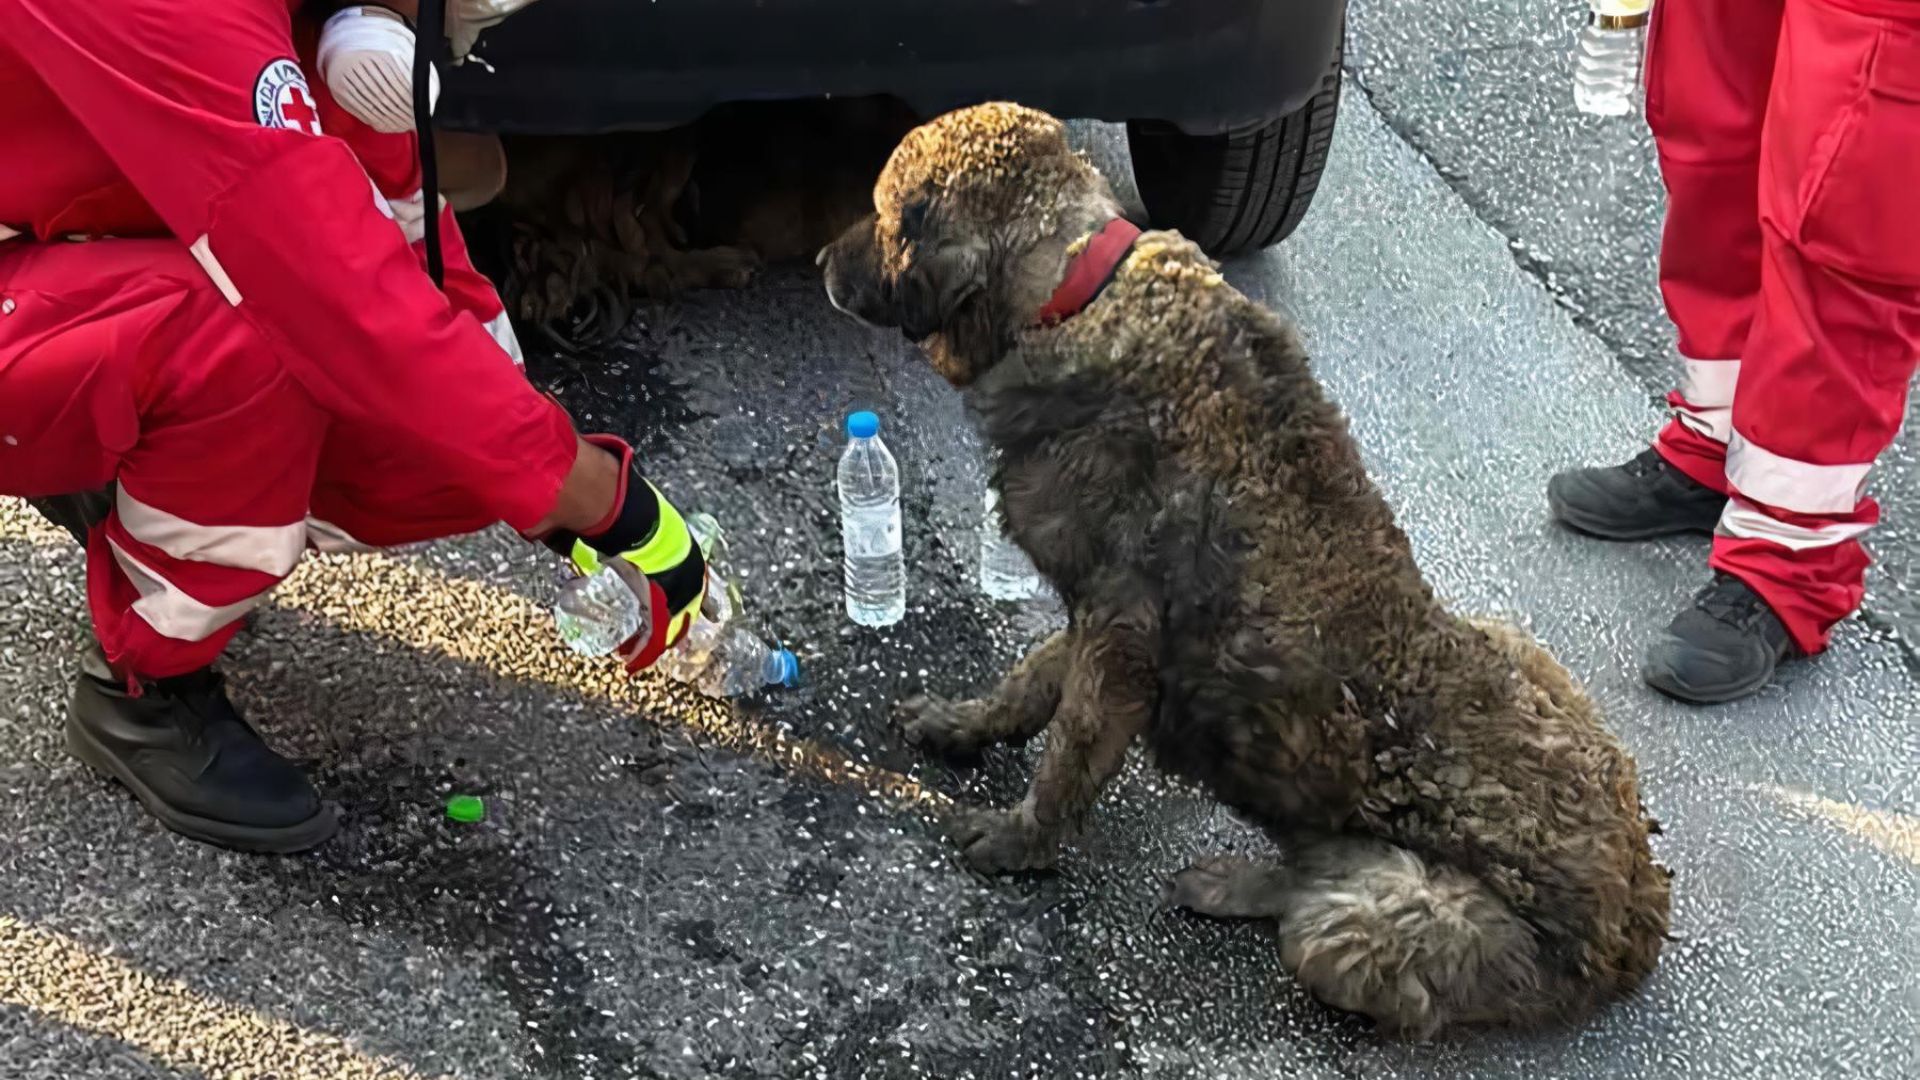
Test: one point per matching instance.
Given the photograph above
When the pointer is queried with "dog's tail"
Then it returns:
(1373, 928)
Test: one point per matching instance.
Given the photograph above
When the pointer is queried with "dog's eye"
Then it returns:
(913, 217)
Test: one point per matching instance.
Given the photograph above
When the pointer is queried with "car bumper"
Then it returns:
(582, 66)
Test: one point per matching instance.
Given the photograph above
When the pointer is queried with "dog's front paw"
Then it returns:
(1004, 841)
(946, 727)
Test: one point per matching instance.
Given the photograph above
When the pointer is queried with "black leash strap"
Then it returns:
(428, 43)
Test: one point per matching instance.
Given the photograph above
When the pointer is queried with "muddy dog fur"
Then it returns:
(1463, 839)
(584, 227)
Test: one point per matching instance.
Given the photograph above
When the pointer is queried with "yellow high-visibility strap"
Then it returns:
(668, 547)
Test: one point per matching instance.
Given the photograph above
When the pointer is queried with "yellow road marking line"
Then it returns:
(19, 522)
(504, 632)
(1894, 833)
(56, 977)
(412, 604)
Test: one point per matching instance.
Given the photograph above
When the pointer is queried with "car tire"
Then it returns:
(1241, 190)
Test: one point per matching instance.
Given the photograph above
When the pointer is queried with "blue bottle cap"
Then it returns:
(863, 425)
(789, 668)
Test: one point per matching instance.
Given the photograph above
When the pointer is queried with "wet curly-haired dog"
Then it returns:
(1464, 840)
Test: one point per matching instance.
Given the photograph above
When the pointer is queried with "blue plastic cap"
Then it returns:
(863, 425)
(789, 668)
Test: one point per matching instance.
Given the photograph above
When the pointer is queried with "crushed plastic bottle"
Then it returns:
(1606, 68)
(719, 657)
(869, 483)
(743, 664)
(1005, 571)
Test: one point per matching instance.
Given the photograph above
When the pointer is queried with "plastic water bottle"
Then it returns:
(1606, 72)
(597, 613)
(743, 663)
(1005, 571)
(869, 481)
(719, 657)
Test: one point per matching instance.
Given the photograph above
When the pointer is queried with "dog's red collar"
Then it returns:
(1089, 271)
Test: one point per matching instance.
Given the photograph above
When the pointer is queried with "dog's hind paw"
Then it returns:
(953, 728)
(1004, 841)
(1230, 887)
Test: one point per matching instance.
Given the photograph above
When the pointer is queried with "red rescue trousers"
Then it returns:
(226, 468)
(1789, 139)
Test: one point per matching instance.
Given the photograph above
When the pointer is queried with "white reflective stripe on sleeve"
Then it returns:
(1805, 488)
(331, 539)
(171, 612)
(502, 330)
(1709, 383)
(202, 251)
(1746, 522)
(270, 549)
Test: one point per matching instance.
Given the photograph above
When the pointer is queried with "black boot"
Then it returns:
(1642, 499)
(191, 759)
(1722, 648)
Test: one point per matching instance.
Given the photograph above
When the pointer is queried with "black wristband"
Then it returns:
(634, 523)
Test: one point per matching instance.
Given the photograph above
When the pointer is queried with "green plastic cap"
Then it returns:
(466, 808)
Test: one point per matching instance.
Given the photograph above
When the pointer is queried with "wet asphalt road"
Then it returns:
(669, 889)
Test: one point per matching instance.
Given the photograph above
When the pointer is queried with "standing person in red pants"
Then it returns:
(212, 298)
(1789, 139)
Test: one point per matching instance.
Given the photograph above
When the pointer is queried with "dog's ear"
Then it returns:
(939, 278)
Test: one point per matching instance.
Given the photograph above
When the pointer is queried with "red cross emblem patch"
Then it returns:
(281, 99)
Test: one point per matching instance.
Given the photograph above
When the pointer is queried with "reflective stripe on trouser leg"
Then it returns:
(1792, 531)
(1695, 440)
(269, 549)
(177, 589)
(158, 616)
(1810, 569)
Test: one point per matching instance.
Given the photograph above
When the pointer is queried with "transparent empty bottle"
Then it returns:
(1606, 71)
(869, 483)
(719, 657)
(742, 664)
(1005, 571)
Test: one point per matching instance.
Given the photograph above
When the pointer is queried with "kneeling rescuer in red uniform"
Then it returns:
(247, 349)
